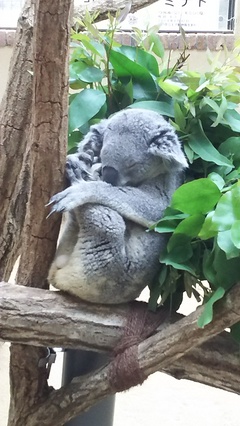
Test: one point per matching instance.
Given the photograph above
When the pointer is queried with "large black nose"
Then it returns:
(110, 175)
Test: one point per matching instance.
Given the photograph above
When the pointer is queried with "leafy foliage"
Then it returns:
(203, 220)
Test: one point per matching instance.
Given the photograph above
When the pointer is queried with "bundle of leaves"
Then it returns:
(203, 220)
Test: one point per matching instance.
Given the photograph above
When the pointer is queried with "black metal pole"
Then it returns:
(77, 363)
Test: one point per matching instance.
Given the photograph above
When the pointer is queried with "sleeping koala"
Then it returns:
(105, 254)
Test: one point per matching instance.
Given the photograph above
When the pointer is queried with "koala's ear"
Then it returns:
(165, 144)
(93, 139)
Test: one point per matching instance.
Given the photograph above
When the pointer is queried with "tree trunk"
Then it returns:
(15, 118)
(44, 161)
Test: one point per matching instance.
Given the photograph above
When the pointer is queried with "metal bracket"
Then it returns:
(49, 359)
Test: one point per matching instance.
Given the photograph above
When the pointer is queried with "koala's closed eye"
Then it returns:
(105, 254)
(132, 165)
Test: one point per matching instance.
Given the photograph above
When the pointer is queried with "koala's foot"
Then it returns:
(65, 200)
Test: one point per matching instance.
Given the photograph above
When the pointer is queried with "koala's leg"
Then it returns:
(68, 239)
(108, 263)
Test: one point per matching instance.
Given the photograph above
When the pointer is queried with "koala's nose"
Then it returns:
(110, 175)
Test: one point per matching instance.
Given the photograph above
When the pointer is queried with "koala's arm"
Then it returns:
(134, 204)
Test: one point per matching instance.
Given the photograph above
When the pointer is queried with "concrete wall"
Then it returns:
(198, 60)
(5, 56)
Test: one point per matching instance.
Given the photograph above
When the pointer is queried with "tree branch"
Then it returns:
(103, 7)
(155, 353)
(63, 321)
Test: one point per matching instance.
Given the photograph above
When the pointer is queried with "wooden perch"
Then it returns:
(51, 318)
(43, 317)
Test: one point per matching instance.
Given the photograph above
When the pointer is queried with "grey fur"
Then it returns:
(105, 254)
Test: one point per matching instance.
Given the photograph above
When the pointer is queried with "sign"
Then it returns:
(192, 15)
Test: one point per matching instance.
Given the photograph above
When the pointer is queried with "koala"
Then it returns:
(122, 179)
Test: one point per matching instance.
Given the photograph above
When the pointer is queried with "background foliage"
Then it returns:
(203, 220)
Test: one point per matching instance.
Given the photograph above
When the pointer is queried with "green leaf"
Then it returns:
(189, 153)
(175, 89)
(231, 149)
(163, 108)
(191, 79)
(141, 91)
(227, 270)
(155, 288)
(179, 116)
(95, 47)
(207, 314)
(217, 179)
(86, 73)
(169, 260)
(170, 214)
(199, 196)
(157, 47)
(202, 146)
(206, 232)
(178, 253)
(180, 244)
(165, 226)
(139, 56)
(84, 106)
(222, 109)
(208, 269)
(227, 210)
(169, 221)
(235, 332)
(73, 139)
(91, 28)
(224, 241)
(235, 234)
(124, 12)
(210, 102)
(190, 226)
(124, 67)
(232, 119)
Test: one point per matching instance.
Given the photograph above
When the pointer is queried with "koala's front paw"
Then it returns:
(78, 167)
(65, 200)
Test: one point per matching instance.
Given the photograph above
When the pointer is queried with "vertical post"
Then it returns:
(78, 363)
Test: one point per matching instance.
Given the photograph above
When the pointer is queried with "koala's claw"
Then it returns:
(57, 203)
(65, 200)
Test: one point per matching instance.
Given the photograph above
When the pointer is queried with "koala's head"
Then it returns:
(135, 145)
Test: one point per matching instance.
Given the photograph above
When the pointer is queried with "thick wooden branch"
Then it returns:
(44, 160)
(15, 118)
(103, 7)
(59, 320)
(51, 318)
(157, 352)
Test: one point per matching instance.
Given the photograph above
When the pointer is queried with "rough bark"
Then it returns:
(15, 118)
(214, 363)
(60, 320)
(103, 7)
(162, 351)
(44, 158)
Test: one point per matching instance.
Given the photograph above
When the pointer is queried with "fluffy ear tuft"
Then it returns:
(94, 139)
(165, 144)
